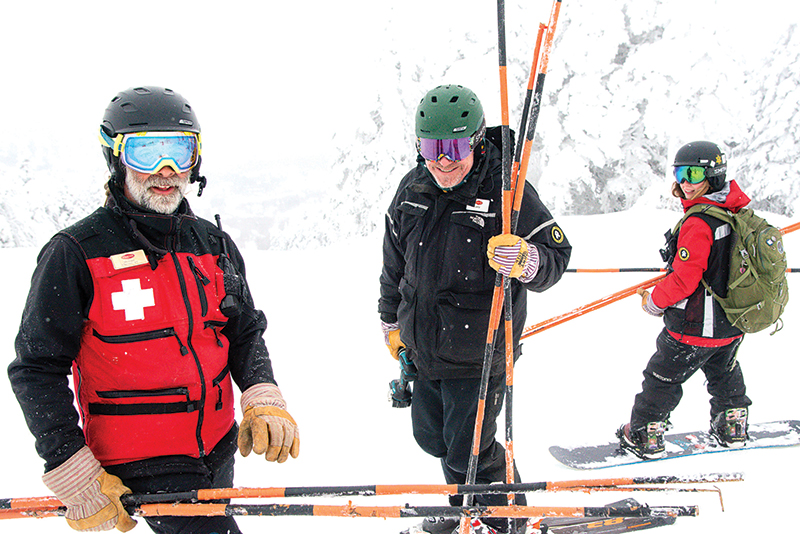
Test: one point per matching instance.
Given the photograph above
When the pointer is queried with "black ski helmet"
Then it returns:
(704, 154)
(148, 109)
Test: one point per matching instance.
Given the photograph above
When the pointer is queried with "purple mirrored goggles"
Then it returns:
(452, 149)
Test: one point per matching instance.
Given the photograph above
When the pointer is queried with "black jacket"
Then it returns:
(436, 279)
(61, 296)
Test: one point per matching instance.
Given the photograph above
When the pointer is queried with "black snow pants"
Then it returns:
(443, 419)
(183, 473)
(673, 364)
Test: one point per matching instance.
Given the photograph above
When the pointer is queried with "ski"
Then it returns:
(611, 525)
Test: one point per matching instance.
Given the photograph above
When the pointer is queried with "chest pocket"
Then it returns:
(409, 229)
(466, 264)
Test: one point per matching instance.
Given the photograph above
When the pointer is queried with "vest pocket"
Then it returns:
(143, 408)
(143, 336)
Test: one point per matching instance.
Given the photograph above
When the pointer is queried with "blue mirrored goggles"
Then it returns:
(149, 152)
(689, 173)
(452, 149)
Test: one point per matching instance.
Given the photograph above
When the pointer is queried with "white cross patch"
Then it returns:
(133, 299)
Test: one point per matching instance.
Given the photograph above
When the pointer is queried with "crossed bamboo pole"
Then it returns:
(500, 280)
(513, 187)
(198, 502)
(352, 511)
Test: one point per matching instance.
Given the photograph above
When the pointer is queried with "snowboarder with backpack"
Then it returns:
(697, 334)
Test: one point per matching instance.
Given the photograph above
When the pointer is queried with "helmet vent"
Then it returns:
(454, 99)
(464, 114)
(142, 91)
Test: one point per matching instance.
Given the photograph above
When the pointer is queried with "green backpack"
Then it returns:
(757, 287)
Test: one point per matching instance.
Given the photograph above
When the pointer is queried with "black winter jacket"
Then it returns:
(61, 296)
(436, 279)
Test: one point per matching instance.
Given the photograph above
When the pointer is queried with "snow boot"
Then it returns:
(646, 442)
(730, 427)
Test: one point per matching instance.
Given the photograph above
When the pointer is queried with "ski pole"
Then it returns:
(31, 505)
(497, 295)
(517, 177)
(509, 335)
(586, 308)
(527, 132)
(511, 200)
(350, 510)
(791, 228)
(353, 511)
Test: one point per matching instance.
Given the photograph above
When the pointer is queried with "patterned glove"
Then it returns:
(512, 256)
(647, 303)
(91, 495)
(266, 426)
(391, 336)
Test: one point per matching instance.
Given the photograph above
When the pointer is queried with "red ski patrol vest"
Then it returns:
(152, 375)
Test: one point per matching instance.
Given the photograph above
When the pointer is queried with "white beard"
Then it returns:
(140, 193)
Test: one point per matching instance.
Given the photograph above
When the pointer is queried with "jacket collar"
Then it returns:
(730, 197)
(157, 233)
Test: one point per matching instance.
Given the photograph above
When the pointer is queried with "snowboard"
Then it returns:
(610, 454)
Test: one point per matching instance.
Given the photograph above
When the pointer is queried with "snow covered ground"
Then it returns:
(575, 383)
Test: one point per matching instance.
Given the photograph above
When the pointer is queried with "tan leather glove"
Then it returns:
(91, 495)
(393, 343)
(647, 303)
(512, 256)
(267, 428)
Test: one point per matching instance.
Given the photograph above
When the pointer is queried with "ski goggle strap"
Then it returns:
(149, 152)
(689, 173)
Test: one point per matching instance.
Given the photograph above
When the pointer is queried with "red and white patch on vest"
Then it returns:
(133, 299)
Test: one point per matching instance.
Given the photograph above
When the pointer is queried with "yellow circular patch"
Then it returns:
(557, 234)
(683, 253)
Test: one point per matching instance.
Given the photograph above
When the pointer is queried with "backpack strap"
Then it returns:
(723, 215)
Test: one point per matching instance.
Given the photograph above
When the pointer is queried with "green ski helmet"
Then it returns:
(146, 109)
(450, 112)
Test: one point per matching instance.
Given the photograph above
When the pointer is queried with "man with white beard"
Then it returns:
(147, 306)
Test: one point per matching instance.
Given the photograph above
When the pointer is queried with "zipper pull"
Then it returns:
(184, 350)
(198, 272)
